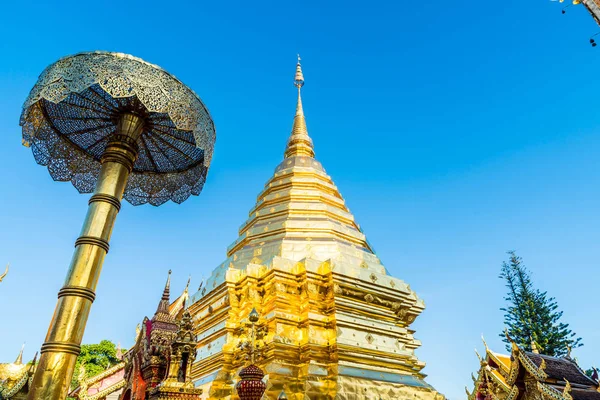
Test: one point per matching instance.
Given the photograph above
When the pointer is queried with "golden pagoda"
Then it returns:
(334, 324)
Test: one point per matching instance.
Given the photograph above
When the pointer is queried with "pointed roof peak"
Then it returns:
(163, 305)
(299, 143)
(19, 359)
(167, 291)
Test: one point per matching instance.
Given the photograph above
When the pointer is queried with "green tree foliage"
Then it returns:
(531, 315)
(95, 358)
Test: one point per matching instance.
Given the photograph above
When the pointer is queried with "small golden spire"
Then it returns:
(484, 343)
(534, 347)
(478, 356)
(299, 143)
(19, 359)
(5, 273)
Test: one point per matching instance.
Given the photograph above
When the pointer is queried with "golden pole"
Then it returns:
(59, 352)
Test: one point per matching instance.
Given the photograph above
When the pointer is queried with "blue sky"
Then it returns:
(455, 130)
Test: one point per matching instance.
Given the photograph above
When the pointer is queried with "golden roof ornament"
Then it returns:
(481, 360)
(484, 343)
(5, 272)
(19, 359)
(534, 347)
(567, 390)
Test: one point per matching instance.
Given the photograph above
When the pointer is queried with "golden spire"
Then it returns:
(19, 359)
(299, 144)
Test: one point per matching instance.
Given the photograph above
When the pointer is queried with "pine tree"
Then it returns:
(531, 315)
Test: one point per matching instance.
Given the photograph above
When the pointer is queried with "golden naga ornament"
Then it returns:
(119, 127)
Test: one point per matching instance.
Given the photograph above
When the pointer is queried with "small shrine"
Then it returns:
(531, 375)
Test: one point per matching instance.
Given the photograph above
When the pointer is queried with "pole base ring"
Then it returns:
(93, 241)
(61, 347)
(79, 291)
(106, 198)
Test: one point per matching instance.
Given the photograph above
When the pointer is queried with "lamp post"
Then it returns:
(123, 128)
(251, 386)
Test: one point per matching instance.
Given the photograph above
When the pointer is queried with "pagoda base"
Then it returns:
(176, 391)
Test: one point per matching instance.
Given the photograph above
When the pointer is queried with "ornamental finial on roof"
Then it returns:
(163, 305)
(478, 356)
(167, 291)
(299, 143)
(534, 347)
(510, 340)
(5, 272)
(299, 79)
(567, 390)
(484, 342)
(19, 359)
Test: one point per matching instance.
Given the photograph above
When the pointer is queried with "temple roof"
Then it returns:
(561, 369)
(501, 376)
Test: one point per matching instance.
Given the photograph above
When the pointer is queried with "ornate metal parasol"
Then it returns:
(73, 112)
(120, 127)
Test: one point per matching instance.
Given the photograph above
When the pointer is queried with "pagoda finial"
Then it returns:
(299, 144)
(167, 291)
(19, 359)
(163, 305)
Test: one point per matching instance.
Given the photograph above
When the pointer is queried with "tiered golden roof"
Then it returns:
(336, 322)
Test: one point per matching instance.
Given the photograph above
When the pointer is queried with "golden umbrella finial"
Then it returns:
(299, 79)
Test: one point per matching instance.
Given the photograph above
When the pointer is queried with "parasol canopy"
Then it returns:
(73, 111)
